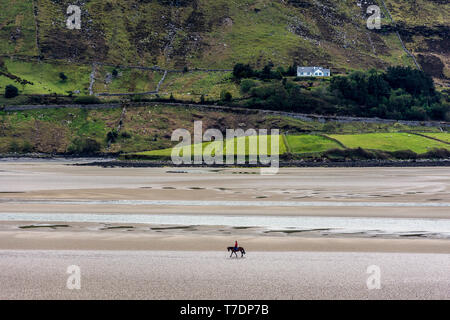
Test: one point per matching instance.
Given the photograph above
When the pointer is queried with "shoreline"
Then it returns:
(282, 164)
(111, 161)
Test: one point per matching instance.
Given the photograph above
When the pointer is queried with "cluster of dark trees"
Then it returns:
(241, 71)
(11, 91)
(397, 93)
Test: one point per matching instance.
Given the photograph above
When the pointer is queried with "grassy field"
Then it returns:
(183, 86)
(126, 81)
(314, 144)
(443, 136)
(246, 146)
(45, 77)
(390, 142)
(310, 143)
(192, 85)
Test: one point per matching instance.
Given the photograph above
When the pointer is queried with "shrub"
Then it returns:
(87, 100)
(14, 146)
(243, 71)
(225, 96)
(11, 92)
(404, 154)
(85, 146)
(247, 84)
(355, 154)
(137, 98)
(27, 147)
(62, 76)
(125, 135)
(112, 136)
(436, 154)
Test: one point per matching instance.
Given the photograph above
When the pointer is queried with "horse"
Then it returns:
(239, 249)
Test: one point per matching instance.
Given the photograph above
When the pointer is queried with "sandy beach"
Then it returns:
(45, 224)
(212, 275)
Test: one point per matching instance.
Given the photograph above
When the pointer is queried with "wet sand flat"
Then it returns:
(61, 181)
(212, 275)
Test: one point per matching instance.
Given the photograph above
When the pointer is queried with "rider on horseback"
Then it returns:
(236, 249)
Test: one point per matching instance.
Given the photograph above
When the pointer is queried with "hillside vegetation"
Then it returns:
(184, 50)
(147, 131)
(221, 33)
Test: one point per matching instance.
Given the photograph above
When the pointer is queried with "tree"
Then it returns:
(291, 71)
(266, 72)
(11, 91)
(413, 81)
(112, 136)
(247, 84)
(241, 71)
(225, 96)
(378, 87)
(62, 76)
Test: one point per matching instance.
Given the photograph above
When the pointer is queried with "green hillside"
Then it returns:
(186, 49)
(220, 33)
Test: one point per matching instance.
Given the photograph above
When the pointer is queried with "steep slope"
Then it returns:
(220, 33)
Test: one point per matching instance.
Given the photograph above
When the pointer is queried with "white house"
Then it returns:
(313, 72)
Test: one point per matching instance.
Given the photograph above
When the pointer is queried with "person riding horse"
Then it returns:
(236, 249)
